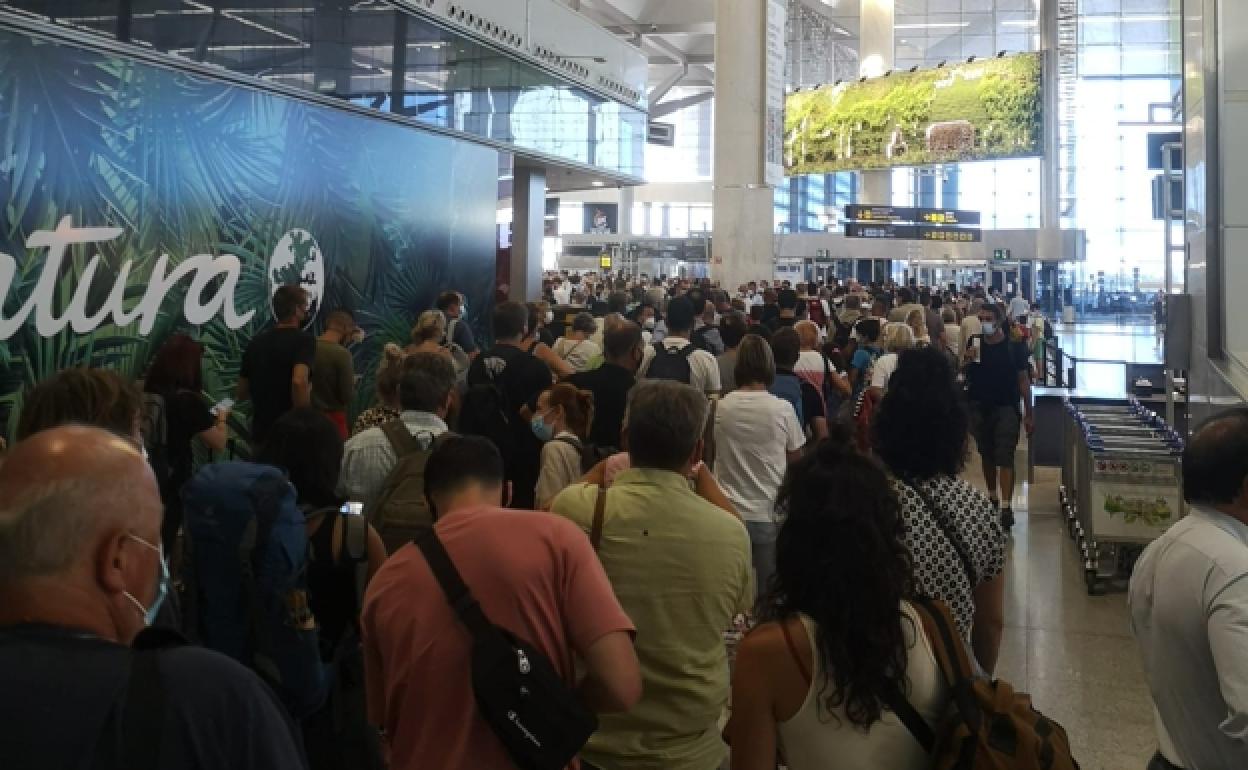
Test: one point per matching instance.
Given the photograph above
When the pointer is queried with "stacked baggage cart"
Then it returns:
(1121, 484)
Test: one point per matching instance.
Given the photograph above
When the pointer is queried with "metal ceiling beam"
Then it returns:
(667, 108)
(665, 85)
(693, 28)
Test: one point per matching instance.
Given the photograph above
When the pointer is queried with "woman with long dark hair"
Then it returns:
(920, 433)
(839, 641)
(176, 375)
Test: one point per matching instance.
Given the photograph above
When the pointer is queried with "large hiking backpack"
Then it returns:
(671, 364)
(245, 578)
(992, 727)
(401, 512)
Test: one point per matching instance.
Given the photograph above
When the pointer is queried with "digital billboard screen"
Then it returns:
(983, 110)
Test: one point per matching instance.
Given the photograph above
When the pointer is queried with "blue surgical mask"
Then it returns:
(542, 429)
(162, 586)
(990, 328)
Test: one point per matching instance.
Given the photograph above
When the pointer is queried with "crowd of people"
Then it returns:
(631, 473)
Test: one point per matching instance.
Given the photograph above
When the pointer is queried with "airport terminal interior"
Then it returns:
(854, 305)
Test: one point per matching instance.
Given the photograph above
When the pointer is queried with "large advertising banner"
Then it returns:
(137, 202)
(984, 110)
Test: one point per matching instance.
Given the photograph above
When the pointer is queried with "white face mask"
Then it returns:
(550, 316)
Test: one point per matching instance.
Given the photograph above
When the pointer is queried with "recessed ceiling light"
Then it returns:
(597, 183)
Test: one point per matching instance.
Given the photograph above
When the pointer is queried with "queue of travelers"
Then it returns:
(571, 510)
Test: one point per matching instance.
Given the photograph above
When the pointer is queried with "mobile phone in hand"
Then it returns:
(224, 405)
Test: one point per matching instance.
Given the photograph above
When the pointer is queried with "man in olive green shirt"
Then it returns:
(680, 566)
(333, 370)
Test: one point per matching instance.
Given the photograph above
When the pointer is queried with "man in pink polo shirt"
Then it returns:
(534, 574)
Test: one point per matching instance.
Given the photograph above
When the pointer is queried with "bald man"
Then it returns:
(82, 574)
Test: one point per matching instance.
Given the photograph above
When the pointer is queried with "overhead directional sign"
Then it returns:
(947, 217)
(912, 224)
(950, 234)
(860, 213)
(884, 230)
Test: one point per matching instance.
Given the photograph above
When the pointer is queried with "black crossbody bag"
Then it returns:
(526, 703)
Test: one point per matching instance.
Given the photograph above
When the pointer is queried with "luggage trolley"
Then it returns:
(1121, 485)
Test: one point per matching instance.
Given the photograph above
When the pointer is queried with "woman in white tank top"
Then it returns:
(812, 683)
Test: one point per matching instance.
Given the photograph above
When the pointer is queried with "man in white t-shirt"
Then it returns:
(1019, 306)
(756, 436)
(690, 366)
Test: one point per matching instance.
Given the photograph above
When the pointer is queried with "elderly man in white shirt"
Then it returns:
(425, 387)
(1189, 606)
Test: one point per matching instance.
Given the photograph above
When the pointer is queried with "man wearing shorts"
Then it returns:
(998, 372)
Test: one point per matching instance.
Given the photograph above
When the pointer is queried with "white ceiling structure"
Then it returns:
(678, 36)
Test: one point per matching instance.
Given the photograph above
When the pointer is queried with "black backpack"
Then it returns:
(840, 337)
(699, 341)
(671, 364)
(591, 454)
(535, 715)
(487, 413)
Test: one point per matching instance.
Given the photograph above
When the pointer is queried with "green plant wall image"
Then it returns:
(189, 199)
(985, 110)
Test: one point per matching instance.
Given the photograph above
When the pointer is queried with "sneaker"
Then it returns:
(1007, 517)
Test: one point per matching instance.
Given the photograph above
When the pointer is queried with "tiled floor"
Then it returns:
(1073, 653)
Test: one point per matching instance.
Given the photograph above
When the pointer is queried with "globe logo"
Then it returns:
(298, 259)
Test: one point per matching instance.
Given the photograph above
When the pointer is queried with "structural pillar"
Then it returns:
(527, 232)
(627, 198)
(743, 241)
(876, 56)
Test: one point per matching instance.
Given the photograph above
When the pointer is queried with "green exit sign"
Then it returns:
(1000, 255)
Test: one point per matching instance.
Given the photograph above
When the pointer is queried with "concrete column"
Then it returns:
(743, 247)
(627, 198)
(876, 55)
(527, 230)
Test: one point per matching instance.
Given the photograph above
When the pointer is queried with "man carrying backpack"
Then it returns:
(503, 386)
(383, 467)
(675, 358)
(85, 685)
(458, 332)
(532, 575)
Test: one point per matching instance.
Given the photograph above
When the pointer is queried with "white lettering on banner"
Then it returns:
(204, 267)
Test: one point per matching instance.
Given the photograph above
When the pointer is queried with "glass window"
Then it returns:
(678, 220)
(700, 218)
(571, 218)
(349, 51)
